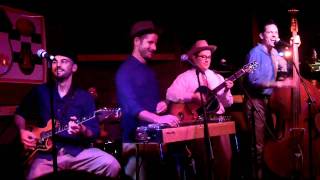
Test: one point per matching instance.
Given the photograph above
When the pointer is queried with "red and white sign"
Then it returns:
(21, 35)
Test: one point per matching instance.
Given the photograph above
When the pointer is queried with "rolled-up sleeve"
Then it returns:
(179, 91)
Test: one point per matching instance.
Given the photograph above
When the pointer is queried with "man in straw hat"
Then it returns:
(185, 88)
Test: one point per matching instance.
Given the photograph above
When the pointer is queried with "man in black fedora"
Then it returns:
(73, 110)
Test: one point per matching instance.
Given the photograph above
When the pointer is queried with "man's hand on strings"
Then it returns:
(28, 138)
(73, 127)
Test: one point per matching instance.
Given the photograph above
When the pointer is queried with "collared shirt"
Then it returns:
(268, 65)
(36, 109)
(183, 87)
(137, 90)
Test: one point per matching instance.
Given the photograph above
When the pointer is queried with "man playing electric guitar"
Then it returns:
(70, 103)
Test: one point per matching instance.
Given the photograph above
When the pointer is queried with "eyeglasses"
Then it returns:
(204, 57)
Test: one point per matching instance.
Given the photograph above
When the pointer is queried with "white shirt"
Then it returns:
(183, 87)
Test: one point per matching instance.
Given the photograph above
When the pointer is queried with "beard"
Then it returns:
(147, 54)
(60, 77)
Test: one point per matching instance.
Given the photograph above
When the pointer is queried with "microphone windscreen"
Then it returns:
(184, 57)
(40, 53)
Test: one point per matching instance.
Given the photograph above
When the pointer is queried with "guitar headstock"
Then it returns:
(105, 113)
(250, 67)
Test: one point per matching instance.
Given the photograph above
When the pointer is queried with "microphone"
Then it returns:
(223, 62)
(281, 43)
(41, 53)
(184, 57)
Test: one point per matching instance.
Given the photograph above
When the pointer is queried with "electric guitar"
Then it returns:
(43, 135)
(192, 111)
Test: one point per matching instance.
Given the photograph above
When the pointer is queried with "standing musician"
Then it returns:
(260, 85)
(185, 89)
(138, 91)
(70, 103)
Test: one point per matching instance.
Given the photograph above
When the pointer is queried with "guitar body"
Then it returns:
(30, 154)
(185, 111)
(193, 111)
(38, 131)
(43, 144)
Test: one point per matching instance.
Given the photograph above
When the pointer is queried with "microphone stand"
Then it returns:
(207, 139)
(253, 138)
(253, 124)
(53, 121)
(310, 101)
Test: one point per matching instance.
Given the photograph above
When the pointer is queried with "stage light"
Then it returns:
(285, 52)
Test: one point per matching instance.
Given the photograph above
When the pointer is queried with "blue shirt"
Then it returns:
(137, 90)
(263, 73)
(36, 109)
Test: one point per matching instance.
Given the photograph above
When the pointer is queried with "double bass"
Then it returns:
(295, 151)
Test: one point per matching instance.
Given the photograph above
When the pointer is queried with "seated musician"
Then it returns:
(70, 103)
(185, 89)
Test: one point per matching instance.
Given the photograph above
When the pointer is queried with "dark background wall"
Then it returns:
(102, 27)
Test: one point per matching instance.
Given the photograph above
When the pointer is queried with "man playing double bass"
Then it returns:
(260, 85)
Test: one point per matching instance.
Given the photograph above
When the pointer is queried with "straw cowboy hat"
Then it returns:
(201, 45)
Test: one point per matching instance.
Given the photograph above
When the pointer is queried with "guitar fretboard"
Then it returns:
(233, 77)
(60, 129)
(246, 69)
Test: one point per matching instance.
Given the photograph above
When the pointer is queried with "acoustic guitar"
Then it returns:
(192, 111)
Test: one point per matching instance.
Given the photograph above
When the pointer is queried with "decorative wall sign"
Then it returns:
(21, 35)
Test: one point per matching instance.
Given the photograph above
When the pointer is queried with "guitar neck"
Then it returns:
(105, 111)
(233, 77)
(61, 129)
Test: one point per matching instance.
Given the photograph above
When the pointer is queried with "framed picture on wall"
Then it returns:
(22, 34)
